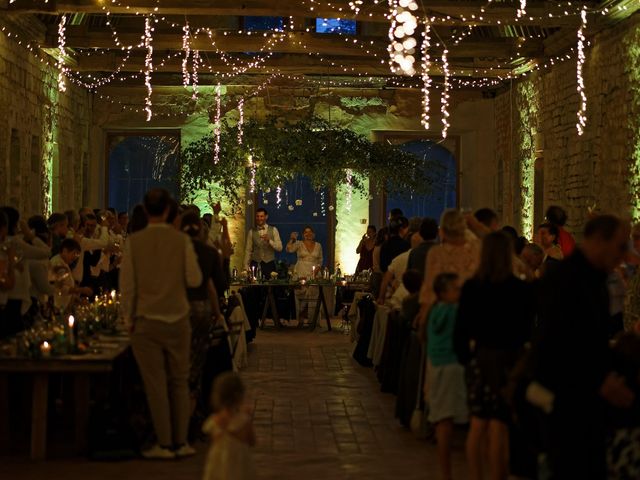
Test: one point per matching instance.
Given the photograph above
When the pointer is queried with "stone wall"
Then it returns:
(44, 134)
(601, 167)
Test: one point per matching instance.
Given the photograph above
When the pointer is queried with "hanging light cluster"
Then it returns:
(186, 48)
(62, 70)
(148, 64)
(217, 128)
(444, 99)
(194, 74)
(402, 44)
(522, 11)
(582, 111)
(426, 78)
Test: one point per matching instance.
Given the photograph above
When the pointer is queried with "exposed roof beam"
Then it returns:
(456, 9)
(287, 64)
(298, 42)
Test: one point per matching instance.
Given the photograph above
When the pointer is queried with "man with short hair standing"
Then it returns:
(158, 265)
(263, 242)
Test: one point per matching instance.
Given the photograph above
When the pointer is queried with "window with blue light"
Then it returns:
(335, 25)
(263, 23)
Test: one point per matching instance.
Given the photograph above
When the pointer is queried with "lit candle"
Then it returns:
(113, 295)
(313, 271)
(303, 281)
(72, 334)
(45, 349)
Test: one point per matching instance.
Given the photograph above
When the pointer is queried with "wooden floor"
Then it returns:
(318, 414)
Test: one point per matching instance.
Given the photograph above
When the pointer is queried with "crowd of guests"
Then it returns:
(171, 267)
(524, 340)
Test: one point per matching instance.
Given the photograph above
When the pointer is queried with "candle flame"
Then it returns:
(71, 320)
(45, 345)
(113, 294)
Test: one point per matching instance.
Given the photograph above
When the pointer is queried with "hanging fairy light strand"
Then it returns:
(522, 11)
(62, 86)
(186, 48)
(217, 129)
(426, 78)
(444, 99)
(582, 111)
(148, 64)
(194, 74)
(240, 120)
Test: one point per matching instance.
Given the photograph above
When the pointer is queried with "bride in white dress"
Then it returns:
(309, 254)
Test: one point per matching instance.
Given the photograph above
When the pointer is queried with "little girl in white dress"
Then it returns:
(231, 432)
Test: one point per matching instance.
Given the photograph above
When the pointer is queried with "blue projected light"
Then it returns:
(263, 23)
(335, 25)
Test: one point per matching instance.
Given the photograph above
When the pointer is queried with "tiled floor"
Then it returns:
(318, 414)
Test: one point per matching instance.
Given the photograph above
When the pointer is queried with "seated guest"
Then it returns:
(92, 242)
(557, 217)
(396, 243)
(58, 225)
(365, 249)
(73, 221)
(548, 240)
(309, 254)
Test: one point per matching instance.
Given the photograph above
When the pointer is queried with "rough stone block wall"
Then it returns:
(600, 167)
(40, 126)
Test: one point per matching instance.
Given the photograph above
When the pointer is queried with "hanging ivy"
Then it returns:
(312, 147)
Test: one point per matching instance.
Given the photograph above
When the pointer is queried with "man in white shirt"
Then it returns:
(263, 242)
(158, 265)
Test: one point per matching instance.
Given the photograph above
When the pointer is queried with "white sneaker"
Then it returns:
(185, 450)
(158, 453)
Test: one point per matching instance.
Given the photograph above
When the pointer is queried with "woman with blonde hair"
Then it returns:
(458, 253)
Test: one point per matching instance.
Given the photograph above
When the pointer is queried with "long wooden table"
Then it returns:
(270, 302)
(80, 367)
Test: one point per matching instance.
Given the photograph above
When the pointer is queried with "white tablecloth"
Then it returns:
(378, 334)
(239, 324)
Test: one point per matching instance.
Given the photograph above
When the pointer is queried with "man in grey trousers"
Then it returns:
(158, 265)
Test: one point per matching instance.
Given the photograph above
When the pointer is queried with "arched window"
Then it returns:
(441, 169)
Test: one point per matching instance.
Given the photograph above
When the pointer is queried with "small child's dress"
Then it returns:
(229, 458)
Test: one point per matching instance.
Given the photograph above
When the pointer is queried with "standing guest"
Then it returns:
(458, 253)
(73, 221)
(7, 274)
(218, 237)
(429, 234)
(231, 431)
(396, 243)
(376, 276)
(533, 257)
(573, 359)
(558, 217)
(123, 222)
(548, 239)
(446, 391)
(139, 219)
(203, 301)
(394, 214)
(488, 218)
(393, 276)
(365, 249)
(495, 320)
(92, 241)
(26, 247)
(41, 289)
(309, 253)
(263, 242)
(158, 265)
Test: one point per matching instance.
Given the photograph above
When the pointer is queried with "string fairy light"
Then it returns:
(217, 128)
(186, 47)
(426, 78)
(62, 86)
(240, 120)
(582, 111)
(194, 74)
(444, 99)
(252, 178)
(278, 196)
(148, 63)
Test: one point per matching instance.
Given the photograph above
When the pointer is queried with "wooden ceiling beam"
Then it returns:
(287, 64)
(456, 9)
(298, 42)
